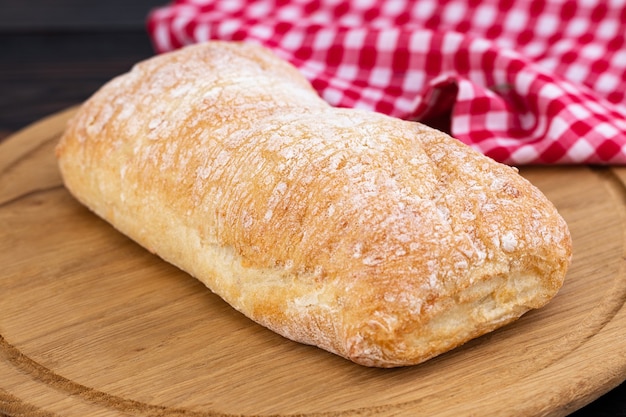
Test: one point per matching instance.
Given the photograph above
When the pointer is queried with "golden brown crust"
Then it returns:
(381, 240)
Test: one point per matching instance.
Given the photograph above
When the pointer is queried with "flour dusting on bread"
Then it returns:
(381, 240)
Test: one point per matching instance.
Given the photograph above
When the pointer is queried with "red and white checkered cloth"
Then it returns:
(524, 82)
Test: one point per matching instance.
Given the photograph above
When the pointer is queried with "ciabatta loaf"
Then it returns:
(381, 240)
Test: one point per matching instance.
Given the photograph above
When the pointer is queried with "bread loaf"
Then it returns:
(381, 240)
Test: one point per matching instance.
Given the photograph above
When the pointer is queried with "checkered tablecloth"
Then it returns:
(522, 81)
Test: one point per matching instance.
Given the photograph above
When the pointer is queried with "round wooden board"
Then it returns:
(92, 324)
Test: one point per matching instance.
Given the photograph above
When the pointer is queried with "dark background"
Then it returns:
(56, 53)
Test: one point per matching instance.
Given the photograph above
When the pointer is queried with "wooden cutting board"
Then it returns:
(93, 325)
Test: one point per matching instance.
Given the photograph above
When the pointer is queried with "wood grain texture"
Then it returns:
(92, 324)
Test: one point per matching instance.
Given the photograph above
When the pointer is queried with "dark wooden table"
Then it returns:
(56, 54)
